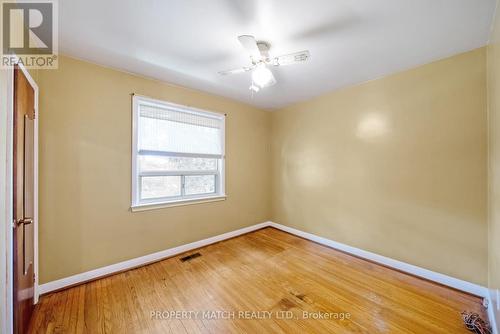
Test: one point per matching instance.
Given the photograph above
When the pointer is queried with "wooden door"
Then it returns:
(23, 190)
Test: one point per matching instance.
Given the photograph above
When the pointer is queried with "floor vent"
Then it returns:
(190, 257)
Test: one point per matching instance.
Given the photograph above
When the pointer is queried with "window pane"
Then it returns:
(199, 184)
(160, 186)
(159, 163)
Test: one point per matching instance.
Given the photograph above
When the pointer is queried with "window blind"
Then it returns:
(168, 130)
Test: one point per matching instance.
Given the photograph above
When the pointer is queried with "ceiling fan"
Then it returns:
(260, 58)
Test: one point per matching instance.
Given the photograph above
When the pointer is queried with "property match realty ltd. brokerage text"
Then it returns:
(247, 315)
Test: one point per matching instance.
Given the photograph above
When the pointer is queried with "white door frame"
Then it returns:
(8, 218)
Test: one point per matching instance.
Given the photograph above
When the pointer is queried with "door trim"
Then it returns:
(8, 251)
(35, 181)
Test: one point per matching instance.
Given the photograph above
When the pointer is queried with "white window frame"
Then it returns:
(146, 204)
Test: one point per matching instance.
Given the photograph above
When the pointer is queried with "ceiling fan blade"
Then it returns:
(250, 44)
(236, 70)
(292, 58)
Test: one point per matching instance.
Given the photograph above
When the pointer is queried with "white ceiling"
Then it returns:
(351, 41)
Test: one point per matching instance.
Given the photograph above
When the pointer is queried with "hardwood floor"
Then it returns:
(267, 270)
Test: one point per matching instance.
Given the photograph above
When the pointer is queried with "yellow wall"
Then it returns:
(85, 171)
(494, 150)
(396, 166)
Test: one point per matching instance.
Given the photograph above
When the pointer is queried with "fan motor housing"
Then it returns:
(264, 48)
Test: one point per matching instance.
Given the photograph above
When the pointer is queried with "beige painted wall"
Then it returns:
(494, 155)
(85, 171)
(395, 166)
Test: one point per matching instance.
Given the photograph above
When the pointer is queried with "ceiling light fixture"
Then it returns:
(258, 51)
(262, 76)
(253, 87)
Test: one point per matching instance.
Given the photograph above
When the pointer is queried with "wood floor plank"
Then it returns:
(267, 281)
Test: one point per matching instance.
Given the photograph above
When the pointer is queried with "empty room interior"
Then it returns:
(250, 166)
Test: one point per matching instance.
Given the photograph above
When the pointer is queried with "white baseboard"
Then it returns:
(456, 283)
(140, 261)
(494, 310)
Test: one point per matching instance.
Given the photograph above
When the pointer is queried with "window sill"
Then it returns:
(182, 202)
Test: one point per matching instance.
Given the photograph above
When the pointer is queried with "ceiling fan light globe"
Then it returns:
(254, 88)
(262, 76)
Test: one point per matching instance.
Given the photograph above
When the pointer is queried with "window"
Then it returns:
(178, 154)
